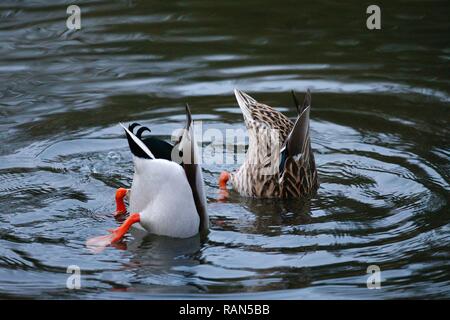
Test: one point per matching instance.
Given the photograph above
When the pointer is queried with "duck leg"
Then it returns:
(223, 192)
(97, 244)
(120, 205)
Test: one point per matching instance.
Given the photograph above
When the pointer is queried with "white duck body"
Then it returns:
(161, 193)
(167, 195)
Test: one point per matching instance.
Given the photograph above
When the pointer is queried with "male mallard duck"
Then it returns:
(166, 196)
(279, 161)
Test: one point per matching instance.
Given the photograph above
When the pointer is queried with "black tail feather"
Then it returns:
(132, 126)
(306, 101)
(188, 116)
(141, 131)
(297, 104)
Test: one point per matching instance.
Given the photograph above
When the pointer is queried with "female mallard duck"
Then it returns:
(279, 161)
(166, 196)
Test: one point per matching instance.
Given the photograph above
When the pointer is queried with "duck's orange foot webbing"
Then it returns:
(119, 232)
(97, 244)
(120, 205)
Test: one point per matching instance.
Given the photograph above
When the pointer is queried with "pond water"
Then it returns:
(379, 127)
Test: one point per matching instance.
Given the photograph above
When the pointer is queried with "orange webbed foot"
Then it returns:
(98, 244)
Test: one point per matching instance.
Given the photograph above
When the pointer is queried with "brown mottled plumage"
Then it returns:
(279, 161)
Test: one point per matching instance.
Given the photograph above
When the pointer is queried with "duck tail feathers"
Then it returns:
(137, 147)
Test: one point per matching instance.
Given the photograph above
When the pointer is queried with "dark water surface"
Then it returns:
(380, 132)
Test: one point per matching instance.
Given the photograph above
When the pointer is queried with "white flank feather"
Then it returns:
(161, 194)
